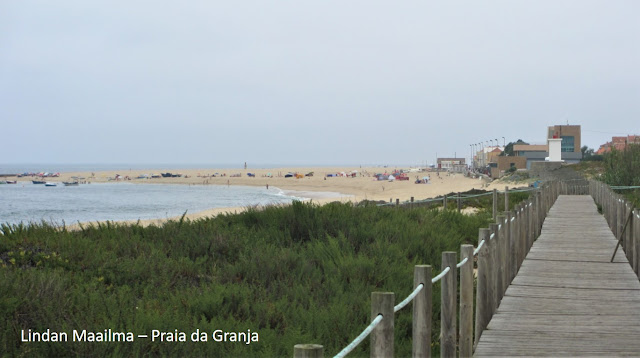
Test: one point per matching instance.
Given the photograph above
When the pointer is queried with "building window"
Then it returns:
(567, 144)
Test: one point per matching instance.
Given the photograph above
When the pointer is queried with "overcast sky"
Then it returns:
(308, 82)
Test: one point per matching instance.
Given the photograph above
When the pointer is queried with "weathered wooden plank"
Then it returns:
(573, 293)
(562, 306)
(561, 282)
(575, 322)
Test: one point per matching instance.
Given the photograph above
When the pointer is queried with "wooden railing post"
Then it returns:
(508, 268)
(524, 237)
(422, 305)
(382, 336)
(495, 204)
(497, 266)
(448, 300)
(411, 205)
(618, 219)
(466, 302)
(636, 242)
(530, 225)
(444, 203)
(483, 314)
(536, 214)
(506, 198)
(503, 255)
(308, 351)
(515, 240)
(459, 202)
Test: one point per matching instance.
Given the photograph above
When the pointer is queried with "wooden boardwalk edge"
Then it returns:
(568, 299)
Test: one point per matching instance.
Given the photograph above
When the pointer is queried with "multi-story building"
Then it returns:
(570, 145)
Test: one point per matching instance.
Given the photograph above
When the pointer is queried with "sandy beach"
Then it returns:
(363, 185)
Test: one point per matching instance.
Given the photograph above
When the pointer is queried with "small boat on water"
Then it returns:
(70, 183)
(50, 184)
(12, 182)
(38, 181)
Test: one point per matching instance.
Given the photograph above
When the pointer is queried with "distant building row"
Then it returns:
(619, 143)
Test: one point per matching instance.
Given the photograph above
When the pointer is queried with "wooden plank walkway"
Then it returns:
(568, 299)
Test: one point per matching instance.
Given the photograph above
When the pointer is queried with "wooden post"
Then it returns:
(448, 300)
(618, 216)
(627, 234)
(513, 245)
(507, 249)
(444, 203)
(482, 292)
(397, 202)
(506, 198)
(636, 242)
(422, 305)
(459, 202)
(503, 224)
(382, 336)
(530, 225)
(411, 205)
(523, 234)
(466, 302)
(497, 268)
(536, 215)
(308, 351)
(495, 204)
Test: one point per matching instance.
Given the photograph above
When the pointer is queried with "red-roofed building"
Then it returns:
(619, 143)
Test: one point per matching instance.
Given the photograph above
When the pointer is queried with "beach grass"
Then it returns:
(301, 273)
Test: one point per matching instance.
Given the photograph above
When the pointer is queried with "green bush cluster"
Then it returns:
(622, 168)
(295, 274)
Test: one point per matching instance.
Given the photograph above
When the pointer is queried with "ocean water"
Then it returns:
(26, 202)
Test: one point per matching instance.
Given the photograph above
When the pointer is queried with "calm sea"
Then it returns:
(26, 202)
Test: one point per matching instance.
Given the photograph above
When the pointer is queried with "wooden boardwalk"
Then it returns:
(568, 299)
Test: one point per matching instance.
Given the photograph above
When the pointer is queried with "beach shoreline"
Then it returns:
(350, 184)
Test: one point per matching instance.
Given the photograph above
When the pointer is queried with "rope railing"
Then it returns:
(409, 298)
(460, 197)
(477, 250)
(360, 337)
(497, 265)
(441, 275)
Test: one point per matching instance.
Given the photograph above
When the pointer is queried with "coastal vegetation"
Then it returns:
(622, 168)
(293, 274)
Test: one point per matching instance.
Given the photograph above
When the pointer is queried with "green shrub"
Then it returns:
(295, 274)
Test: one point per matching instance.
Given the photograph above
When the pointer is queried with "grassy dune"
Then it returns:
(295, 274)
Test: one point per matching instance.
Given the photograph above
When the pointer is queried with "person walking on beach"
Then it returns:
(267, 186)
